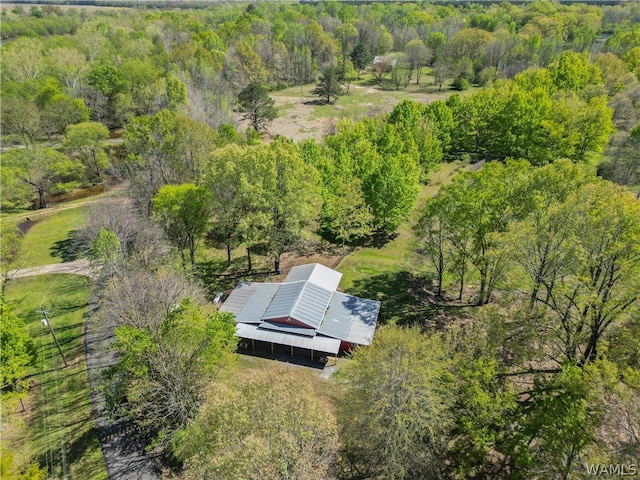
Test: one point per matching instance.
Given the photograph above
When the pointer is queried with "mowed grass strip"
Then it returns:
(50, 238)
(58, 419)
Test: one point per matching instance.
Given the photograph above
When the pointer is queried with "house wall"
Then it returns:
(346, 346)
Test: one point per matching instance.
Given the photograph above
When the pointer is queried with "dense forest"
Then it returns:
(527, 363)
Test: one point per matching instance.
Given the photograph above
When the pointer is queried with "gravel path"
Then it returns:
(124, 456)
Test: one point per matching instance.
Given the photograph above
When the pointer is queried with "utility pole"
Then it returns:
(46, 322)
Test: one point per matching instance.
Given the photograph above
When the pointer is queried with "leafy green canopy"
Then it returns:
(373, 156)
(16, 354)
(161, 375)
(269, 424)
(36, 171)
(396, 417)
(184, 212)
(263, 194)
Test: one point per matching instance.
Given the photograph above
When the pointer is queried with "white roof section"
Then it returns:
(315, 273)
(317, 343)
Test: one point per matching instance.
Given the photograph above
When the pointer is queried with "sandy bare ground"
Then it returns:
(77, 267)
(298, 122)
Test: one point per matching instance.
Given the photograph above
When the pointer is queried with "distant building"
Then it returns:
(305, 312)
(385, 60)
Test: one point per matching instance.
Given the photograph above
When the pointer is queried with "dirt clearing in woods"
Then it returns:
(301, 115)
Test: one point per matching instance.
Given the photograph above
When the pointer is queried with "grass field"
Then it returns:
(58, 407)
(49, 238)
(399, 253)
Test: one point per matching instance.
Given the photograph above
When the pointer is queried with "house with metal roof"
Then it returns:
(304, 312)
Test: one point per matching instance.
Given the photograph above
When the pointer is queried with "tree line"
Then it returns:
(110, 69)
(138, 63)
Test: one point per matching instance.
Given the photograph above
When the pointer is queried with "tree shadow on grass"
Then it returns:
(317, 102)
(80, 443)
(407, 299)
(376, 240)
(217, 277)
(67, 249)
(380, 239)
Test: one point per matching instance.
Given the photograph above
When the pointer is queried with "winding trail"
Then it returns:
(124, 456)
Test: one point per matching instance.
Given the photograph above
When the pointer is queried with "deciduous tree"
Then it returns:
(184, 212)
(11, 252)
(291, 197)
(62, 110)
(266, 425)
(142, 244)
(590, 279)
(161, 375)
(478, 207)
(40, 169)
(573, 71)
(417, 56)
(168, 148)
(395, 420)
(16, 354)
(88, 139)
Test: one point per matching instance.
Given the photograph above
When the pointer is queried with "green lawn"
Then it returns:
(399, 253)
(395, 274)
(49, 240)
(58, 407)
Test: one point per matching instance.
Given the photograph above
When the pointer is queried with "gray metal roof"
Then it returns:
(278, 327)
(318, 343)
(284, 301)
(249, 301)
(238, 299)
(315, 273)
(327, 312)
(349, 318)
(311, 305)
(302, 301)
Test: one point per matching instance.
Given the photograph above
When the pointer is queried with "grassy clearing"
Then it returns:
(399, 253)
(58, 408)
(303, 115)
(325, 387)
(49, 239)
(395, 273)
